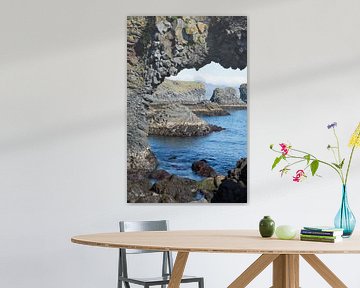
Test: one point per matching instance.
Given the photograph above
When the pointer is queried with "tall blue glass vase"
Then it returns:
(345, 219)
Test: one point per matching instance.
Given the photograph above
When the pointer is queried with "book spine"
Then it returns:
(319, 233)
(317, 239)
(318, 236)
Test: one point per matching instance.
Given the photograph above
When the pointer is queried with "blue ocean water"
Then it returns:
(221, 149)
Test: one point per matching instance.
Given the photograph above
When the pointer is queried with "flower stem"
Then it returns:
(296, 162)
(312, 158)
(339, 156)
(338, 145)
(350, 159)
(348, 167)
(304, 152)
(320, 161)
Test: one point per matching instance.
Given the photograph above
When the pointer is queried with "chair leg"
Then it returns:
(201, 283)
(120, 273)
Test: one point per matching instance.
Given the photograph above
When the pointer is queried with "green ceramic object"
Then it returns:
(266, 227)
(285, 232)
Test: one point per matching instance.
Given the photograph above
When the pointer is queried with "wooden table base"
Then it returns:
(285, 271)
(178, 270)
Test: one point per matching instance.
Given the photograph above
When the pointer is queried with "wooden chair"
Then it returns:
(167, 262)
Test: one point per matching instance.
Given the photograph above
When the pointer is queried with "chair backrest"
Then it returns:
(134, 226)
(137, 226)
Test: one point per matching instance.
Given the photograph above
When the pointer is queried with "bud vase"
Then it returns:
(345, 219)
(266, 227)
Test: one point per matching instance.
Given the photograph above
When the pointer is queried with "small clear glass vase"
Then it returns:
(345, 219)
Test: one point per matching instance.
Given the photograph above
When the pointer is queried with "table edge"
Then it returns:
(203, 250)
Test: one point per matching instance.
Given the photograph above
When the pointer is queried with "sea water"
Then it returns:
(221, 149)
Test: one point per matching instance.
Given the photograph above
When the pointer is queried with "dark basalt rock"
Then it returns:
(233, 189)
(230, 192)
(175, 189)
(203, 168)
(154, 198)
(159, 174)
(243, 92)
(240, 172)
(226, 97)
(141, 160)
(137, 187)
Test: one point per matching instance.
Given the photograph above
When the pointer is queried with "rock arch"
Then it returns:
(160, 46)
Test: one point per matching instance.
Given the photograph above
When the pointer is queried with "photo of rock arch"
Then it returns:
(187, 109)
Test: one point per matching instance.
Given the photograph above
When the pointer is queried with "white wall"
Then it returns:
(63, 132)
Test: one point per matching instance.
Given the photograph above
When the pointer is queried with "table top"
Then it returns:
(217, 241)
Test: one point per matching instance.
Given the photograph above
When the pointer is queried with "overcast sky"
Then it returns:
(214, 73)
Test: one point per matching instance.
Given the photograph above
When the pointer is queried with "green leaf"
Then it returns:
(307, 157)
(271, 146)
(339, 166)
(336, 165)
(314, 166)
(276, 162)
(342, 163)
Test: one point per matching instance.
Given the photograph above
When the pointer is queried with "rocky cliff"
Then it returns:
(189, 93)
(243, 92)
(174, 119)
(226, 97)
(184, 92)
(158, 47)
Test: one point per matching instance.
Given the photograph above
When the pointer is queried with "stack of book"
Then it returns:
(321, 234)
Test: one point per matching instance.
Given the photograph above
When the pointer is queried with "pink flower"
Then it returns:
(300, 174)
(284, 148)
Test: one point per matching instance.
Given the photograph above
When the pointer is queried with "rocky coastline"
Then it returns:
(177, 120)
(175, 110)
(214, 188)
(175, 106)
(157, 47)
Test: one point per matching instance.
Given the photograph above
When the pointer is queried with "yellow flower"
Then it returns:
(355, 137)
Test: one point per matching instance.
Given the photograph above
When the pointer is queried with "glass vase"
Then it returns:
(345, 219)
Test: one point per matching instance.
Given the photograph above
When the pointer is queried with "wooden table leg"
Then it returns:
(324, 271)
(178, 269)
(253, 270)
(286, 271)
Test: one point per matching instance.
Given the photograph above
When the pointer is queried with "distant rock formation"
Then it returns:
(184, 92)
(177, 120)
(189, 93)
(207, 108)
(226, 97)
(243, 92)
